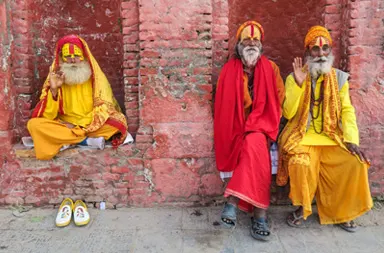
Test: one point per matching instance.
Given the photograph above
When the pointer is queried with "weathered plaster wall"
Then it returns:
(163, 58)
(365, 62)
(285, 24)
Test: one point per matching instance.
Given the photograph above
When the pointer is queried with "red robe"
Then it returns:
(241, 143)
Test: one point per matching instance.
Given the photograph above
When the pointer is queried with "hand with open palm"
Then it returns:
(298, 72)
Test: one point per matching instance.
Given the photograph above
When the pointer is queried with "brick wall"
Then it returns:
(366, 64)
(163, 59)
(7, 106)
(130, 15)
(357, 27)
(176, 90)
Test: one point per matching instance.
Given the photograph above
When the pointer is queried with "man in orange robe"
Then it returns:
(77, 105)
(248, 98)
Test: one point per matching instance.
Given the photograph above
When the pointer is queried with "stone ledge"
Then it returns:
(22, 152)
(121, 177)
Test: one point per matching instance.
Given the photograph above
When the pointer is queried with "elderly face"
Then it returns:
(320, 60)
(75, 59)
(319, 51)
(249, 51)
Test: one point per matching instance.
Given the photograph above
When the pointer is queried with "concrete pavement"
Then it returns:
(181, 230)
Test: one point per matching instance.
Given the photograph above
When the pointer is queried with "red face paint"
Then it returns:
(252, 31)
(71, 49)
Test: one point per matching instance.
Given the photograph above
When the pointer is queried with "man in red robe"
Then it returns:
(248, 101)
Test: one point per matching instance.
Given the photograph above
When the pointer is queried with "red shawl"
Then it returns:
(230, 125)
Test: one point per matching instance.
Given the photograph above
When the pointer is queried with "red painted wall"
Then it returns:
(285, 24)
(163, 61)
(98, 22)
(365, 62)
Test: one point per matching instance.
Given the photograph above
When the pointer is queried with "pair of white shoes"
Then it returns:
(78, 209)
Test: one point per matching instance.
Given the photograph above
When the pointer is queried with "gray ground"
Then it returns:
(180, 230)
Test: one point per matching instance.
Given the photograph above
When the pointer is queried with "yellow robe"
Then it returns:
(50, 132)
(320, 167)
(90, 108)
(77, 102)
(291, 104)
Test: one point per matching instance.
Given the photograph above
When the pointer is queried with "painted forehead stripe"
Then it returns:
(71, 49)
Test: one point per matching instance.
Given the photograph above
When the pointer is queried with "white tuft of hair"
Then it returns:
(249, 54)
(76, 73)
(320, 65)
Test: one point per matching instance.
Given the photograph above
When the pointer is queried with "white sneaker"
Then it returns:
(98, 142)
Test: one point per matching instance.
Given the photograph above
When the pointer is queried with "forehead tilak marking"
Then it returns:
(252, 31)
(71, 49)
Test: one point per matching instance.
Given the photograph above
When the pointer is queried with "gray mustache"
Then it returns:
(251, 48)
(320, 59)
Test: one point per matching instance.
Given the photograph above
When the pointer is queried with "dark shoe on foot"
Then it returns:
(296, 221)
(348, 226)
(260, 229)
(228, 215)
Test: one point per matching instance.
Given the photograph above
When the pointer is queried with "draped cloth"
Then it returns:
(296, 128)
(241, 142)
(230, 126)
(337, 178)
(106, 110)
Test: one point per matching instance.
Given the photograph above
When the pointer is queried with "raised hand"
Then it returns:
(56, 80)
(298, 72)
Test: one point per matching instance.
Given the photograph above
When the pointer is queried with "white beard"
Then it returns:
(76, 73)
(320, 65)
(250, 55)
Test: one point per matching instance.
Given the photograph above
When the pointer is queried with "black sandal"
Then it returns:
(259, 229)
(351, 228)
(296, 221)
(228, 216)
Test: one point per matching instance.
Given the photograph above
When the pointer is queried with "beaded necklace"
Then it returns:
(317, 102)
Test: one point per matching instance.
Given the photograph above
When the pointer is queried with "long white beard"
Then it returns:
(76, 73)
(320, 65)
(250, 55)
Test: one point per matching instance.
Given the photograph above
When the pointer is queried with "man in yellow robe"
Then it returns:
(319, 146)
(77, 105)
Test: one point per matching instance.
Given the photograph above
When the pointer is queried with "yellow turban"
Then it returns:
(314, 32)
(250, 29)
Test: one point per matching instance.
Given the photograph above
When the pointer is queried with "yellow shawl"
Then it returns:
(296, 128)
(106, 110)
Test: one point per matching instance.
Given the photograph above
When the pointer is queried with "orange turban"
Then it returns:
(315, 32)
(243, 31)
